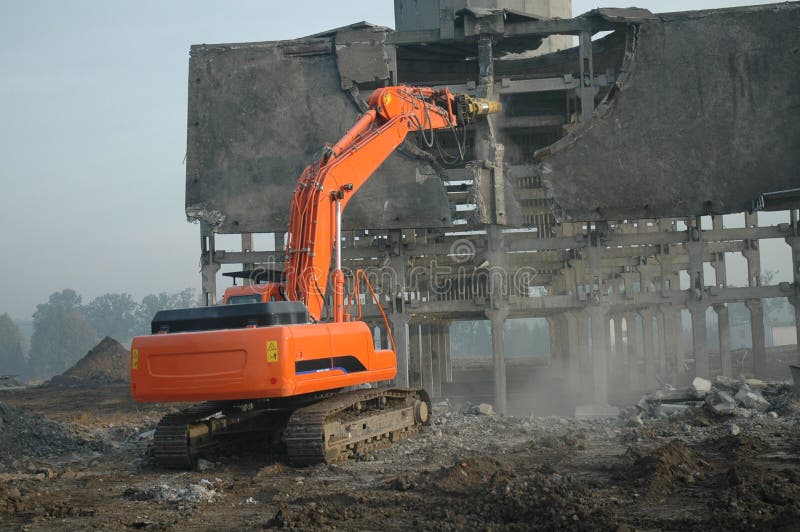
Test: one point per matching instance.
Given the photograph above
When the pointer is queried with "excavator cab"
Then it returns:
(255, 293)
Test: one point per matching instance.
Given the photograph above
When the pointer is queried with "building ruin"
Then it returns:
(583, 203)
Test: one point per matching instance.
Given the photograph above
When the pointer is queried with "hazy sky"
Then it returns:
(92, 133)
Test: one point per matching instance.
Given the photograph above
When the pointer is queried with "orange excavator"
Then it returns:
(287, 364)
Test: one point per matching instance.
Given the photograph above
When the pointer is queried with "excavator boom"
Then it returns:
(328, 184)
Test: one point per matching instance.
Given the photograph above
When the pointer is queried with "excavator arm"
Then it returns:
(326, 186)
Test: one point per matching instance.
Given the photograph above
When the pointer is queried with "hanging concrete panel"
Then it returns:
(704, 120)
(260, 112)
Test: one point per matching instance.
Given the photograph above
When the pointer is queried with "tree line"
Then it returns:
(64, 329)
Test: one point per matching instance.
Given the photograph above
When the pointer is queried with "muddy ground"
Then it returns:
(75, 458)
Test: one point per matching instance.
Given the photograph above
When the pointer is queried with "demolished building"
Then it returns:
(582, 203)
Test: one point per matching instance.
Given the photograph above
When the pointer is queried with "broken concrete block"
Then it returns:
(675, 396)
(724, 409)
(740, 395)
(672, 409)
(442, 407)
(204, 465)
(727, 382)
(726, 398)
(735, 430)
(644, 402)
(635, 420)
(756, 384)
(701, 387)
(753, 400)
(483, 409)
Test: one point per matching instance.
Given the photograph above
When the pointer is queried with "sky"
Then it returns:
(93, 133)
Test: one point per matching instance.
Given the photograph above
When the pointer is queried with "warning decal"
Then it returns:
(272, 351)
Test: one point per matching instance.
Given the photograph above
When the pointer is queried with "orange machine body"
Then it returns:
(255, 293)
(276, 361)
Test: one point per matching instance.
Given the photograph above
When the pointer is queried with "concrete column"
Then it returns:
(427, 358)
(446, 352)
(661, 347)
(399, 324)
(597, 312)
(497, 319)
(583, 359)
(586, 91)
(599, 359)
(753, 255)
(757, 332)
(724, 326)
(699, 341)
(649, 353)
(673, 341)
(698, 305)
(621, 353)
(436, 360)
(634, 355)
(208, 268)
(247, 246)
(794, 243)
(646, 272)
(280, 241)
(571, 365)
(414, 355)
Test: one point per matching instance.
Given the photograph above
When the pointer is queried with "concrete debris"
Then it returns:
(753, 400)
(701, 387)
(735, 430)
(725, 397)
(726, 382)
(202, 491)
(756, 384)
(147, 435)
(204, 465)
(752, 397)
(668, 409)
(442, 407)
(724, 409)
(484, 409)
(28, 438)
(673, 395)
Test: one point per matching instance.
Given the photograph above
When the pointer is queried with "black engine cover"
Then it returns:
(229, 317)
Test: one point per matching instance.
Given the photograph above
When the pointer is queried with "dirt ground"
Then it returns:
(77, 458)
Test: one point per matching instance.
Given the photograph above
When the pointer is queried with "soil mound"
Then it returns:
(105, 363)
(25, 436)
(660, 469)
(471, 474)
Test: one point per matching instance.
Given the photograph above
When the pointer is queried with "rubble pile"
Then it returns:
(201, 491)
(26, 437)
(105, 363)
(722, 397)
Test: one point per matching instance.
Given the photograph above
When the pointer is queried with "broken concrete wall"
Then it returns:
(260, 112)
(703, 120)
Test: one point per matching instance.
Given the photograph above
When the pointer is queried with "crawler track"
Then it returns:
(315, 429)
(353, 423)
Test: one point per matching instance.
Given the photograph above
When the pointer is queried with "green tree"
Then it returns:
(152, 303)
(112, 315)
(12, 347)
(61, 335)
